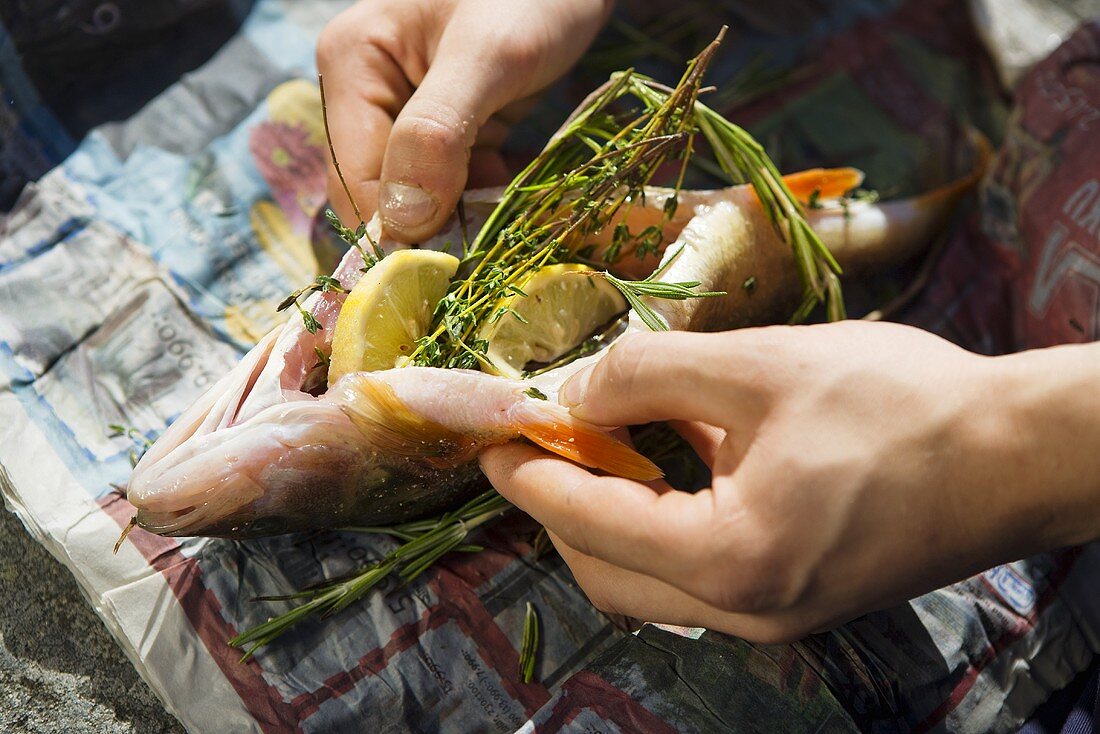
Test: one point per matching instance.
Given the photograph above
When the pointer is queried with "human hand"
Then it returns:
(412, 86)
(855, 465)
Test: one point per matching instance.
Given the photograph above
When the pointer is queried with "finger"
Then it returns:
(713, 378)
(616, 590)
(364, 88)
(614, 519)
(424, 169)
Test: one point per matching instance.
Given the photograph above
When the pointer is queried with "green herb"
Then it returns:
(530, 647)
(135, 435)
(461, 209)
(140, 440)
(813, 202)
(352, 236)
(322, 284)
(595, 168)
(749, 285)
(540, 544)
(592, 344)
(859, 196)
(635, 290)
(425, 542)
(534, 392)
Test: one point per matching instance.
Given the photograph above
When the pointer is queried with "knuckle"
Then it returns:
(623, 363)
(434, 129)
(334, 40)
(580, 531)
(762, 580)
(520, 53)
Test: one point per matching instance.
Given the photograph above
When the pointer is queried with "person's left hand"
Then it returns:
(419, 92)
(855, 465)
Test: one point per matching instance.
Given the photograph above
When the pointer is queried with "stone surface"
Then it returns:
(60, 670)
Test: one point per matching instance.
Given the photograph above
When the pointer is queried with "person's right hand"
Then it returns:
(854, 465)
(411, 85)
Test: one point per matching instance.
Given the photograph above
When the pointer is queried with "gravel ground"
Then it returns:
(60, 670)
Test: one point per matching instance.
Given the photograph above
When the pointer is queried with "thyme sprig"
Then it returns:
(321, 284)
(587, 178)
(352, 236)
(595, 169)
(424, 543)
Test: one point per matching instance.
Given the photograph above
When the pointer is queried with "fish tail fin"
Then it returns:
(552, 427)
(391, 427)
(824, 183)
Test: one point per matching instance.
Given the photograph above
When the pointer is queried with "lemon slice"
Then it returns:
(388, 310)
(561, 309)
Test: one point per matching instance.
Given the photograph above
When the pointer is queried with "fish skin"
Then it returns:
(256, 455)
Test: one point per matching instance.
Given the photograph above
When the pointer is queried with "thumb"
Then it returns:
(427, 156)
(654, 377)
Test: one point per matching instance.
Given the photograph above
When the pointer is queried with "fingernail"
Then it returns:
(573, 391)
(403, 205)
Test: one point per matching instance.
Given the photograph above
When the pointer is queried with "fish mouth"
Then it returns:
(183, 522)
(201, 520)
(194, 513)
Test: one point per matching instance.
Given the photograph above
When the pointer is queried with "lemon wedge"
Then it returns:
(388, 310)
(561, 309)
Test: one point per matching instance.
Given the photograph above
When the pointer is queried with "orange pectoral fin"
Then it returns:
(829, 183)
(584, 443)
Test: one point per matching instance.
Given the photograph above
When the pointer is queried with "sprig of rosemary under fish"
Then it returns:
(423, 543)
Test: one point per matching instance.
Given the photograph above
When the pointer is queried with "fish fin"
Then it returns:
(389, 425)
(554, 429)
(828, 183)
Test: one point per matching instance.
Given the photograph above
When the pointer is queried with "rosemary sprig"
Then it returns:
(425, 542)
(635, 290)
(742, 158)
(530, 647)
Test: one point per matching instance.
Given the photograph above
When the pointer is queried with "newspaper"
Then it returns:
(138, 270)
